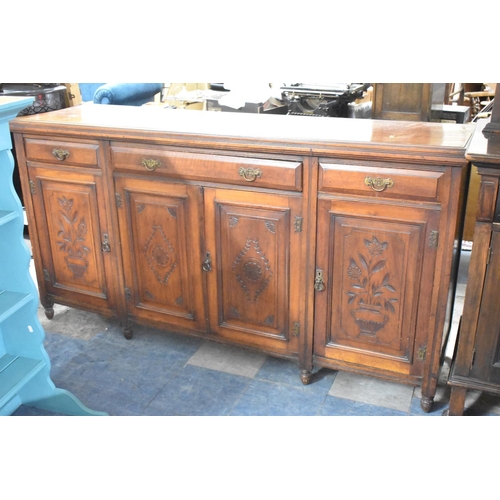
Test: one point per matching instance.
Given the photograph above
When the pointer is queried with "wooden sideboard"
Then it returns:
(476, 361)
(331, 241)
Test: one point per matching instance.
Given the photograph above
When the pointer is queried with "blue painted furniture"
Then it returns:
(127, 94)
(24, 363)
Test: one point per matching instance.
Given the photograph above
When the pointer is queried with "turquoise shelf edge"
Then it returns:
(25, 378)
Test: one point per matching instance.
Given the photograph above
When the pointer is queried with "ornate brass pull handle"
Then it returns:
(105, 243)
(150, 164)
(207, 263)
(319, 284)
(379, 184)
(250, 174)
(60, 154)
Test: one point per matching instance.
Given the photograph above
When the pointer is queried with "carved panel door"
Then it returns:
(75, 250)
(374, 283)
(161, 238)
(253, 278)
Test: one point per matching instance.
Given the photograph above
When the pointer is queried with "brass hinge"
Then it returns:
(296, 329)
(128, 294)
(434, 239)
(421, 353)
(488, 259)
(298, 224)
(32, 187)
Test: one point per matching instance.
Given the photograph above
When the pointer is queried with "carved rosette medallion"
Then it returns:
(160, 255)
(371, 290)
(252, 270)
(72, 237)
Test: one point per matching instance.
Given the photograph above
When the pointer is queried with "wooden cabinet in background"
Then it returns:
(330, 241)
(402, 101)
(476, 361)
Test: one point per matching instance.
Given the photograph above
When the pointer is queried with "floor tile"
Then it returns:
(73, 322)
(334, 406)
(228, 359)
(196, 391)
(263, 398)
(147, 338)
(373, 391)
(117, 397)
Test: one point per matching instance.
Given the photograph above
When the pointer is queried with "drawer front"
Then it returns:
(396, 182)
(64, 152)
(255, 172)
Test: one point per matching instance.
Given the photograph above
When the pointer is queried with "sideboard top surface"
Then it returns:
(484, 149)
(246, 131)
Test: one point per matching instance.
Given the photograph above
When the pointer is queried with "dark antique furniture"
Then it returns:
(332, 242)
(476, 361)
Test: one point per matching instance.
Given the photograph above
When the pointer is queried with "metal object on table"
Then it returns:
(48, 96)
(321, 100)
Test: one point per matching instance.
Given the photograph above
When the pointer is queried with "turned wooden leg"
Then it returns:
(48, 306)
(426, 403)
(49, 312)
(128, 332)
(457, 402)
(306, 376)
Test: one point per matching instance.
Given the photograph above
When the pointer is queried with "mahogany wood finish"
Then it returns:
(330, 241)
(476, 361)
(402, 101)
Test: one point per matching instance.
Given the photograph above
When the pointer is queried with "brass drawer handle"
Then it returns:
(60, 154)
(250, 174)
(150, 164)
(379, 184)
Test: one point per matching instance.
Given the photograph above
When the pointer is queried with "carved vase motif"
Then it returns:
(370, 293)
(369, 319)
(72, 234)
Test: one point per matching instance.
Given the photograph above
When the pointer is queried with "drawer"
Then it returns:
(395, 182)
(64, 152)
(264, 173)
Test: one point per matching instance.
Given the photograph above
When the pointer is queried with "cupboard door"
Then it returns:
(376, 262)
(73, 239)
(254, 277)
(486, 359)
(160, 234)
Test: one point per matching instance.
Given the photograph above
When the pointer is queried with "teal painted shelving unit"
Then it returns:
(24, 363)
